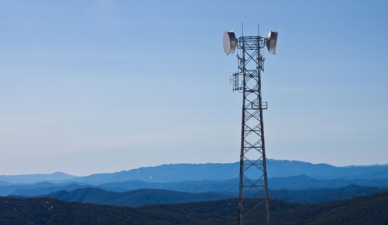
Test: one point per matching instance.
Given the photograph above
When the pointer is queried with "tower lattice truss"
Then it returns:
(253, 173)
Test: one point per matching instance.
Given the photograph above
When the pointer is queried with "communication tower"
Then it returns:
(253, 171)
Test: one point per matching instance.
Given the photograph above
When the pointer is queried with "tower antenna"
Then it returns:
(253, 168)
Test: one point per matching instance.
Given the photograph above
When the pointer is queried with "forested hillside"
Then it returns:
(154, 196)
(359, 210)
(134, 198)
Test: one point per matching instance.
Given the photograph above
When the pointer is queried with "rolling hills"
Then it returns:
(141, 197)
(231, 186)
(371, 209)
(172, 184)
(133, 198)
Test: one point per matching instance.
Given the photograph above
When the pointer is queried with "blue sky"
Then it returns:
(103, 86)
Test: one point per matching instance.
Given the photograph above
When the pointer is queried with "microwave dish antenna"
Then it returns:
(229, 42)
(272, 40)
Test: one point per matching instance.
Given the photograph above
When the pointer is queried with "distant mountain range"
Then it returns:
(227, 186)
(33, 178)
(154, 196)
(218, 172)
(174, 184)
(211, 171)
(200, 178)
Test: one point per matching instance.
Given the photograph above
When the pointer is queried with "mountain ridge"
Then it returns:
(168, 173)
(141, 197)
(34, 178)
(134, 198)
(301, 182)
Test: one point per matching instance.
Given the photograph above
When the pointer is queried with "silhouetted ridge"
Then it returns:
(358, 210)
(133, 198)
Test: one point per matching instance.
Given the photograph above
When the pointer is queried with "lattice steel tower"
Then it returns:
(253, 171)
